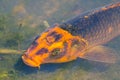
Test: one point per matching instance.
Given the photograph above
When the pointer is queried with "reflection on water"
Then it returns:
(33, 13)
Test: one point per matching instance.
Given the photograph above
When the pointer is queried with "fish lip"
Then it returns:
(25, 59)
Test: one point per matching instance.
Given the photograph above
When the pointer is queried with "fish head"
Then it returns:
(53, 46)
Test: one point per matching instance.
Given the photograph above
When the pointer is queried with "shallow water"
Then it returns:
(34, 13)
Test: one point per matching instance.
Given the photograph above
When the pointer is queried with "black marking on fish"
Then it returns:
(34, 44)
(42, 51)
(55, 35)
(37, 37)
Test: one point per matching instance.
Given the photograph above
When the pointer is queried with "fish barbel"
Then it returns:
(79, 37)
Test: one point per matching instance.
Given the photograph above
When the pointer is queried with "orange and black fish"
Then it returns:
(79, 37)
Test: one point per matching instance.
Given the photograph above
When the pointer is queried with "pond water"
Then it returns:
(31, 14)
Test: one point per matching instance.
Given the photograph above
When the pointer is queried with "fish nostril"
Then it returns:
(25, 55)
(27, 51)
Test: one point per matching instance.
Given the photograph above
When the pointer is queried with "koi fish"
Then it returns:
(79, 37)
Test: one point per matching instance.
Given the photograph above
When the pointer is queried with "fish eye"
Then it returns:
(55, 52)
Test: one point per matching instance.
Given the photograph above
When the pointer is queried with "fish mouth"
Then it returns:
(29, 62)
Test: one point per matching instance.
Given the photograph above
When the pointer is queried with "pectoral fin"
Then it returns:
(100, 54)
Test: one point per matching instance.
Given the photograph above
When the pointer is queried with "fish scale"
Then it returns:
(95, 28)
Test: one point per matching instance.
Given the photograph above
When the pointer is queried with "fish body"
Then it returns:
(96, 26)
(77, 37)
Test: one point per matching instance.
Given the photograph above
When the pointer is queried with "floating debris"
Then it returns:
(46, 24)
(9, 51)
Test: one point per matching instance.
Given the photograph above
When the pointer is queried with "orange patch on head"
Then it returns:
(50, 41)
